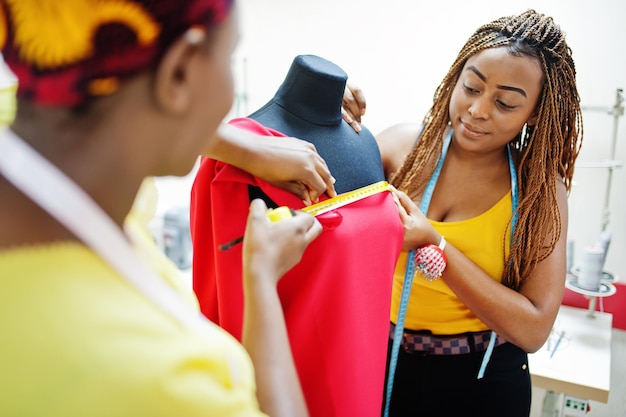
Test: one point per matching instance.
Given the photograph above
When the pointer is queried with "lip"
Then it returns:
(472, 131)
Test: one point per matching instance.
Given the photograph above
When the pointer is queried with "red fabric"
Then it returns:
(336, 301)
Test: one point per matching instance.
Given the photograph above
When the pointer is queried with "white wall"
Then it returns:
(399, 50)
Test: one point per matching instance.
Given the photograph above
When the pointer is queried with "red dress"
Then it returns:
(336, 300)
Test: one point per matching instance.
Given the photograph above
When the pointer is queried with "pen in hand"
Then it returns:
(274, 215)
(232, 243)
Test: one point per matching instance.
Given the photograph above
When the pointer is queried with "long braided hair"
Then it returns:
(545, 152)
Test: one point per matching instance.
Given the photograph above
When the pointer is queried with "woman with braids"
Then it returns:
(95, 320)
(485, 178)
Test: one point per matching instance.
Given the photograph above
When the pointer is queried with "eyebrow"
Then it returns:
(502, 87)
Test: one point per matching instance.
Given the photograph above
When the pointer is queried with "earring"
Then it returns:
(195, 35)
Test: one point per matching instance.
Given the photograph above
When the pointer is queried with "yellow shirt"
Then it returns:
(485, 239)
(77, 340)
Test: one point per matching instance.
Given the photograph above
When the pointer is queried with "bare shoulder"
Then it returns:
(395, 143)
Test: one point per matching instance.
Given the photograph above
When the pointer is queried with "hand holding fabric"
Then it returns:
(289, 163)
(270, 249)
(294, 165)
(417, 229)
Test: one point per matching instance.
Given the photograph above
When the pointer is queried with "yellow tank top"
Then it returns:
(485, 239)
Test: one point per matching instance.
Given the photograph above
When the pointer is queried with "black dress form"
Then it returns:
(308, 106)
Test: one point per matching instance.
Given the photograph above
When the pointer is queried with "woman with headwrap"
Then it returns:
(95, 321)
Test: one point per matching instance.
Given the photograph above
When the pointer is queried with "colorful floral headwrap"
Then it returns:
(64, 52)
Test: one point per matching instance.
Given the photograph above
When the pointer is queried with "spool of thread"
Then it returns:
(569, 255)
(604, 241)
(590, 273)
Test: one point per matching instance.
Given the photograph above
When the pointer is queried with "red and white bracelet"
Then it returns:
(431, 260)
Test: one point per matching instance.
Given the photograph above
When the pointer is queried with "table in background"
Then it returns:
(581, 365)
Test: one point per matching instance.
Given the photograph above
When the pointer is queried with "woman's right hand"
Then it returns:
(270, 249)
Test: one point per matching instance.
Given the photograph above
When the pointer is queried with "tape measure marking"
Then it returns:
(346, 198)
(322, 207)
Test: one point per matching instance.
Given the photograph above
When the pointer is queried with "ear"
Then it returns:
(533, 119)
(172, 86)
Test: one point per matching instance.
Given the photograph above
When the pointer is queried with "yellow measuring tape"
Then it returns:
(325, 206)
(346, 198)
(284, 212)
(7, 104)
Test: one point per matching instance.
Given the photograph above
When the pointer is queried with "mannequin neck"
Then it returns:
(313, 90)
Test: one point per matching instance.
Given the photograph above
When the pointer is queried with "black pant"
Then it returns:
(446, 385)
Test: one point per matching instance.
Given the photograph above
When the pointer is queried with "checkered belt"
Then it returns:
(446, 345)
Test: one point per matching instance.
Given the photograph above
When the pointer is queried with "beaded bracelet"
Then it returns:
(431, 261)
